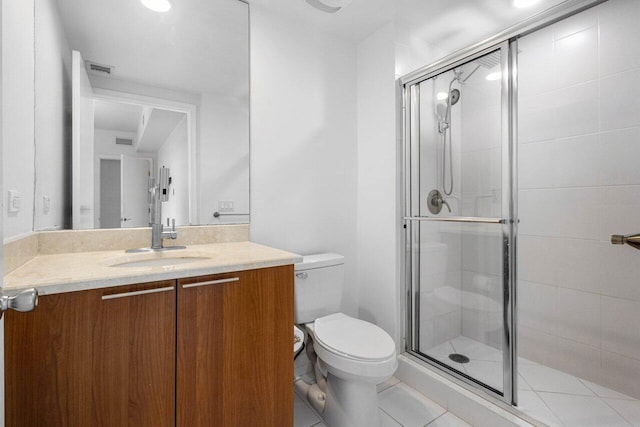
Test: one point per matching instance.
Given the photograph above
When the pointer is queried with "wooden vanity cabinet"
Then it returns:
(103, 357)
(235, 363)
(111, 357)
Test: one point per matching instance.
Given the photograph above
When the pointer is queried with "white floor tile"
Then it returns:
(531, 404)
(490, 373)
(448, 420)
(442, 352)
(543, 378)
(523, 384)
(303, 415)
(387, 421)
(605, 392)
(582, 411)
(409, 407)
(475, 350)
(629, 409)
(387, 384)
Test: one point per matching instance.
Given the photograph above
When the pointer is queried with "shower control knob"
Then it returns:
(435, 201)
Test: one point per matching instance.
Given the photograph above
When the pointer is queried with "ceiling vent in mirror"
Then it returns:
(99, 69)
(329, 6)
(124, 141)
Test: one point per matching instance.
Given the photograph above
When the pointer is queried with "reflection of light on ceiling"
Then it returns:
(496, 75)
(441, 96)
(157, 5)
(520, 4)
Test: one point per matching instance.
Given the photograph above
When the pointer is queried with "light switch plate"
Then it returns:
(225, 205)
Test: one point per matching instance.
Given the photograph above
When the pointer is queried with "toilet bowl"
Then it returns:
(351, 356)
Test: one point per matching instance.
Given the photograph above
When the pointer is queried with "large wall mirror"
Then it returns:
(128, 90)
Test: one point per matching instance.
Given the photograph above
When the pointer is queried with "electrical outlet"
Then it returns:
(14, 201)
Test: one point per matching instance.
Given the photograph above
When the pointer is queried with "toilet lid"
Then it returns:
(353, 338)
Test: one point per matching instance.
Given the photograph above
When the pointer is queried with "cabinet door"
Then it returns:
(103, 357)
(235, 361)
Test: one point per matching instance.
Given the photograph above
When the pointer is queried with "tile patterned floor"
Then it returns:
(399, 406)
(548, 395)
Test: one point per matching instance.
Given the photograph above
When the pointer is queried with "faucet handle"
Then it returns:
(173, 224)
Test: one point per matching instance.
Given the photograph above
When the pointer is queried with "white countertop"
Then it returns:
(68, 272)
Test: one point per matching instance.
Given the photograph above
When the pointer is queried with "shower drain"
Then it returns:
(459, 358)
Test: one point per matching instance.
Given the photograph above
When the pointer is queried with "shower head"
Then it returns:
(454, 96)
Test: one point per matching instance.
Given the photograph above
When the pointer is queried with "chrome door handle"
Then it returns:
(302, 275)
(25, 300)
(632, 240)
(134, 293)
(210, 282)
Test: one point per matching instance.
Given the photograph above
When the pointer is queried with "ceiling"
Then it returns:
(113, 115)
(198, 46)
(440, 22)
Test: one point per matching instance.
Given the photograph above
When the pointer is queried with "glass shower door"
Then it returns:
(458, 216)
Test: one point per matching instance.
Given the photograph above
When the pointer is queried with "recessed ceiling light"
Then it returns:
(441, 96)
(496, 75)
(157, 5)
(521, 4)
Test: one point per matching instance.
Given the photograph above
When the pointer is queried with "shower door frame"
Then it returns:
(506, 39)
(411, 217)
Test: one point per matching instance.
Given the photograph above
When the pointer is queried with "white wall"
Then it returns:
(223, 156)
(52, 118)
(378, 222)
(18, 114)
(303, 141)
(173, 154)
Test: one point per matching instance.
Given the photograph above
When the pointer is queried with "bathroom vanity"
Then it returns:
(202, 343)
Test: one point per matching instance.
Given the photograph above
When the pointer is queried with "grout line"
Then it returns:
(389, 415)
(436, 418)
(616, 411)
(544, 402)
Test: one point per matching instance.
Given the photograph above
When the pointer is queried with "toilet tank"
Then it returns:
(318, 286)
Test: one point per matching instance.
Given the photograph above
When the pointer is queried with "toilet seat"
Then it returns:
(353, 338)
(353, 346)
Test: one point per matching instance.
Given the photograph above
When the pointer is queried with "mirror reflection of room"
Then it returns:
(102, 69)
(130, 143)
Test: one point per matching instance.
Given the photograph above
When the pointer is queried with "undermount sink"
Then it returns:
(160, 262)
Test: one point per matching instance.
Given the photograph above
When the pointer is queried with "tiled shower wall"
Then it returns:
(579, 182)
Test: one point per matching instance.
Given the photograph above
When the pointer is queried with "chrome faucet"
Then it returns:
(158, 193)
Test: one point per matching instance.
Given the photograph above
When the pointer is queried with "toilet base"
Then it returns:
(351, 403)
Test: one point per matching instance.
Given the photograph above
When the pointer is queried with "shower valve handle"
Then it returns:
(435, 202)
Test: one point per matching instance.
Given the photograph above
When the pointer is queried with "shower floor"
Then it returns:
(546, 394)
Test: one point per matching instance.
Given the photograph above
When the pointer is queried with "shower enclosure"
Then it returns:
(522, 152)
(459, 218)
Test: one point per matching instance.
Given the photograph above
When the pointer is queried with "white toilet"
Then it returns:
(353, 356)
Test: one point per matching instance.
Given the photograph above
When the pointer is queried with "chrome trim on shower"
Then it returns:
(472, 219)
